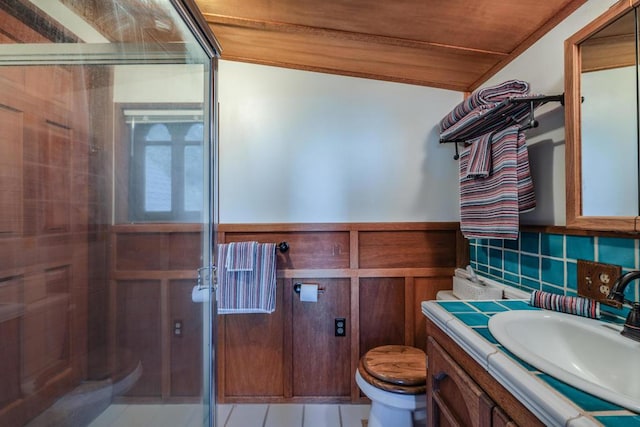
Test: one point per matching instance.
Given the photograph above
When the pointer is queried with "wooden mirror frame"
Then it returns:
(573, 137)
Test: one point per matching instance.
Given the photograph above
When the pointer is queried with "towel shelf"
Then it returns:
(507, 113)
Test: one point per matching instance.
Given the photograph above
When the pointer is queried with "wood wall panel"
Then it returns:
(328, 249)
(142, 251)
(11, 176)
(186, 349)
(321, 361)
(382, 313)
(10, 361)
(253, 361)
(377, 274)
(402, 249)
(185, 251)
(138, 333)
(425, 289)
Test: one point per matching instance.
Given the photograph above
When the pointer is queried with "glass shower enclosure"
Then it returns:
(107, 161)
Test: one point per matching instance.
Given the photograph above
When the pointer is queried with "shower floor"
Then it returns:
(238, 415)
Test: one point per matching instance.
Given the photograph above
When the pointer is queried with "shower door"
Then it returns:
(107, 178)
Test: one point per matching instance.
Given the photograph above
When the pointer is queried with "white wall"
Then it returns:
(298, 146)
(542, 65)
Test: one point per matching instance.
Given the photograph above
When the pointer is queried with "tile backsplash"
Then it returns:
(548, 262)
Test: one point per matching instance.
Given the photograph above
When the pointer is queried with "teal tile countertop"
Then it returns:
(554, 402)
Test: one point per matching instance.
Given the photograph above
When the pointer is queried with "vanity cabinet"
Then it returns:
(462, 393)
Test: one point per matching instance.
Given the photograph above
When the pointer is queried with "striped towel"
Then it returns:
(251, 291)
(526, 191)
(479, 164)
(241, 256)
(489, 206)
(502, 117)
(572, 305)
(485, 96)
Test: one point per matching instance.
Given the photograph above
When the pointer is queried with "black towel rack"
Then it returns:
(501, 116)
(282, 247)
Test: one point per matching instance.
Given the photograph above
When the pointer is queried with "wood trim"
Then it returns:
(354, 320)
(356, 226)
(409, 314)
(287, 369)
(573, 157)
(282, 27)
(156, 228)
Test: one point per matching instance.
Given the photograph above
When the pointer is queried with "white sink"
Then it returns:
(585, 353)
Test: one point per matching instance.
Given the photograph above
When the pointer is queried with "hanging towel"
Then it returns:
(489, 206)
(241, 256)
(526, 190)
(247, 291)
(486, 96)
(475, 122)
(479, 163)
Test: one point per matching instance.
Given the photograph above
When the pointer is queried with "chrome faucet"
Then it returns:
(631, 327)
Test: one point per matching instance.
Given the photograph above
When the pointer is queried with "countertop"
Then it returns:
(553, 402)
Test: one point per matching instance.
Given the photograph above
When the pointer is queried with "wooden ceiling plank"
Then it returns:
(567, 10)
(215, 19)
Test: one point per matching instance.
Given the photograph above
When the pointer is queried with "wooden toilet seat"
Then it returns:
(395, 368)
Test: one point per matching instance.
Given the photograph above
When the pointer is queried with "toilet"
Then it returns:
(394, 378)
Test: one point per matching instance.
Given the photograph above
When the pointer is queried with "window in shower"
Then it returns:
(165, 178)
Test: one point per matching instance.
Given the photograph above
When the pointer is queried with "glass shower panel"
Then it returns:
(106, 178)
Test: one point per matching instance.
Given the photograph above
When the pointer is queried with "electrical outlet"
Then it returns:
(596, 279)
(340, 325)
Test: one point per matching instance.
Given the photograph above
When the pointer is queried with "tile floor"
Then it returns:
(244, 415)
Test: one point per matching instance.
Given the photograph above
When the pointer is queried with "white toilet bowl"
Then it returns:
(392, 409)
(393, 378)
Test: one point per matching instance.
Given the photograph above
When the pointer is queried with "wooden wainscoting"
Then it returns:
(373, 274)
(153, 269)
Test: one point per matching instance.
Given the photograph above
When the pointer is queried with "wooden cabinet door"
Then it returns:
(500, 419)
(453, 398)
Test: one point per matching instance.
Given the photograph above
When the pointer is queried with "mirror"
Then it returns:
(602, 122)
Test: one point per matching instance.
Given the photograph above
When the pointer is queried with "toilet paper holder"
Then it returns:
(297, 286)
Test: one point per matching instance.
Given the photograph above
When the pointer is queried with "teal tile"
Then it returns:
(580, 247)
(473, 319)
(511, 244)
(517, 305)
(511, 279)
(517, 359)
(511, 263)
(618, 251)
(552, 271)
(552, 289)
(456, 306)
(473, 254)
(552, 245)
(529, 283)
(529, 242)
(487, 306)
(584, 400)
(572, 275)
(495, 273)
(495, 258)
(483, 255)
(484, 332)
(619, 420)
(530, 266)
(482, 268)
(496, 243)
